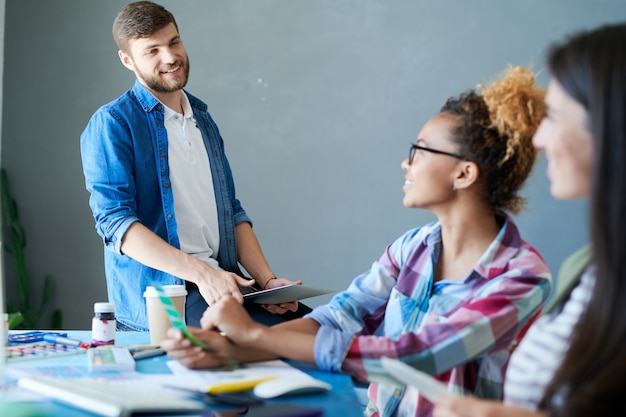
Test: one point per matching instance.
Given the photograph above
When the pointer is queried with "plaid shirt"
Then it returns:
(463, 331)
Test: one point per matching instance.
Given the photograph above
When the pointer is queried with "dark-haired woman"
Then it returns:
(573, 362)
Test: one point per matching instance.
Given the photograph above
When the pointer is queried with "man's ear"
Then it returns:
(466, 175)
(126, 60)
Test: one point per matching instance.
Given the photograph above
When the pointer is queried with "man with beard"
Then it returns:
(161, 188)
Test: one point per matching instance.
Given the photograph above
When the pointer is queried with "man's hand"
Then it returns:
(284, 307)
(146, 247)
(215, 284)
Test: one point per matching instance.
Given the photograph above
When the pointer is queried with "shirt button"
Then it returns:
(179, 282)
(169, 216)
(166, 185)
(163, 154)
(396, 393)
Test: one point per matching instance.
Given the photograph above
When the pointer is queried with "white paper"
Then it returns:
(202, 380)
(428, 386)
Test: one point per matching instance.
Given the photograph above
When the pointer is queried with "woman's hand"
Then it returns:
(194, 357)
(470, 406)
(230, 318)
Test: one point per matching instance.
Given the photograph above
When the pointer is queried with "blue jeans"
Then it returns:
(124, 328)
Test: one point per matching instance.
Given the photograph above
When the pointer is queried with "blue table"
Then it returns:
(340, 401)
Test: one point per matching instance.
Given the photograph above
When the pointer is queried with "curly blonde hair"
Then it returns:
(495, 131)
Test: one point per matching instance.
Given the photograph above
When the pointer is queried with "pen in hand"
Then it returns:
(179, 324)
(228, 362)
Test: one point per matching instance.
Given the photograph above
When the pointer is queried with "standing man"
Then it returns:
(161, 189)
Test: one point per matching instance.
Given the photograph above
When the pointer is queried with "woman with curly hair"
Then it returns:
(453, 297)
(572, 362)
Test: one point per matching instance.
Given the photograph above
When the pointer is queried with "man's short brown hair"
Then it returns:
(140, 19)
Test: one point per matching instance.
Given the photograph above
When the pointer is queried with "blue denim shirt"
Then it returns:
(124, 152)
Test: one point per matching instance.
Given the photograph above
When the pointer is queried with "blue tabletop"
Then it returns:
(340, 401)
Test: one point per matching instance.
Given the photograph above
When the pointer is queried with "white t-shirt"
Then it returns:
(192, 186)
(543, 348)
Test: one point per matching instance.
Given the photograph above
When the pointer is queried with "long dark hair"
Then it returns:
(591, 380)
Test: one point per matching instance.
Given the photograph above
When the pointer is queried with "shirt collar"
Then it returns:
(188, 112)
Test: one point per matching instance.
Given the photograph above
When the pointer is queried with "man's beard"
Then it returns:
(157, 85)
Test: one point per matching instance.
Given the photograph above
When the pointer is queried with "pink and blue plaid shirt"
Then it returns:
(463, 330)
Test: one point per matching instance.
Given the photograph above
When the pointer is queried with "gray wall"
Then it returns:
(2, 289)
(317, 102)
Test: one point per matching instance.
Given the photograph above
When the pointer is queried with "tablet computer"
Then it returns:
(284, 294)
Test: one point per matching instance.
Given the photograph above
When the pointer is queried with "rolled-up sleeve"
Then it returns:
(107, 156)
(331, 348)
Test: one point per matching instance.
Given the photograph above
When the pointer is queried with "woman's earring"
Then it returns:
(453, 187)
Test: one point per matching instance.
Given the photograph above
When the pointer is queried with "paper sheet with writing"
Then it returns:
(203, 380)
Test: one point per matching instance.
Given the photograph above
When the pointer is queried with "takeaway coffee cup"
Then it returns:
(158, 321)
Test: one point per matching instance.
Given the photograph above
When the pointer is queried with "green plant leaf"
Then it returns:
(14, 241)
(15, 319)
(48, 287)
(56, 321)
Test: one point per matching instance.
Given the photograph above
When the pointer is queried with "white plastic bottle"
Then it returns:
(103, 324)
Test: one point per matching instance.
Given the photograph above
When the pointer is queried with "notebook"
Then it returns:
(112, 397)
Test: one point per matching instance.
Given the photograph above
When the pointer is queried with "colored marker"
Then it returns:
(148, 353)
(179, 324)
(237, 386)
(60, 340)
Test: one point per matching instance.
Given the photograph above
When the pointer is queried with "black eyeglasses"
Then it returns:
(415, 147)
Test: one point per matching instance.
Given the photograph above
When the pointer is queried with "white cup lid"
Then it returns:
(169, 290)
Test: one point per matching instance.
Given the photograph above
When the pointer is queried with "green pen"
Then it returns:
(179, 324)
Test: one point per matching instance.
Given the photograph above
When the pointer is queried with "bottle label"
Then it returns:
(102, 332)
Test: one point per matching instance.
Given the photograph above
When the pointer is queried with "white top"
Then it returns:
(542, 349)
(192, 186)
